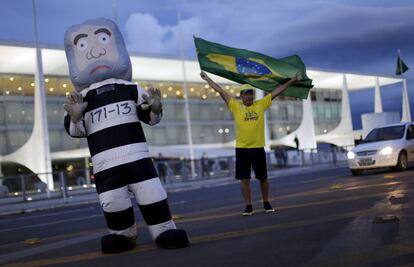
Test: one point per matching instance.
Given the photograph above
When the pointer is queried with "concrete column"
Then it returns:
(378, 102)
(307, 136)
(406, 112)
(35, 153)
(346, 118)
(342, 135)
(87, 172)
(305, 132)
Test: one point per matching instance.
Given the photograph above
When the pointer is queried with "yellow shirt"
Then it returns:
(249, 122)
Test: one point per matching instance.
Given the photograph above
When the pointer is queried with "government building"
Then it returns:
(195, 118)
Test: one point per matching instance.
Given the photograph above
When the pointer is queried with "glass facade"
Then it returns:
(211, 121)
(284, 116)
(16, 112)
(327, 108)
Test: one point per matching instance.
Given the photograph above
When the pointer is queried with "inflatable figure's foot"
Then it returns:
(116, 244)
(174, 238)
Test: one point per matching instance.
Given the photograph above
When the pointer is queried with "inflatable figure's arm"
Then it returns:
(149, 106)
(75, 107)
(74, 129)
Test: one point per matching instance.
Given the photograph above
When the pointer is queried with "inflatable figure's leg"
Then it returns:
(119, 216)
(152, 201)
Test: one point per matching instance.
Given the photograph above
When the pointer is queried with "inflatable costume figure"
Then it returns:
(107, 108)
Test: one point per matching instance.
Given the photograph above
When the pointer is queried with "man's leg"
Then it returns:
(243, 174)
(247, 195)
(245, 188)
(264, 187)
(260, 170)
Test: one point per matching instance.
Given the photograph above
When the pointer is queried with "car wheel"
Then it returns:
(357, 172)
(402, 162)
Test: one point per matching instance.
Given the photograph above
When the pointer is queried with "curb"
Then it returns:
(31, 210)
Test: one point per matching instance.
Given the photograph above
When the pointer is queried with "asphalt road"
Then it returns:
(326, 218)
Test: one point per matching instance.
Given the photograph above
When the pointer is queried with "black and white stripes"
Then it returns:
(120, 156)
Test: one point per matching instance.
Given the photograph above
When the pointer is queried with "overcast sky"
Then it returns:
(351, 35)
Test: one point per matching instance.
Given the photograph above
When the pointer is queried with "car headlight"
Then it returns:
(350, 155)
(386, 150)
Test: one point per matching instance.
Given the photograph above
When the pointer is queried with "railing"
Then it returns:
(28, 187)
(176, 170)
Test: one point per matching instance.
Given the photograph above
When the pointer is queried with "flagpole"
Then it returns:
(406, 112)
(186, 96)
(40, 114)
(115, 11)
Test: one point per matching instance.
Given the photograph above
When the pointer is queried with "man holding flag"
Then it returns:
(249, 123)
(254, 70)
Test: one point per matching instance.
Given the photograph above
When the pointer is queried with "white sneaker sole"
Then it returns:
(248, 213)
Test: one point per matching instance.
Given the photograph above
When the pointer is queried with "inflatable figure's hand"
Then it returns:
(153, 101)
(75, 106)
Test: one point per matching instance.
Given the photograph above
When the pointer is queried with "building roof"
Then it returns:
(16, 59)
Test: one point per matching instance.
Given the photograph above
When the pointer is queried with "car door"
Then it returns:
(410, 142)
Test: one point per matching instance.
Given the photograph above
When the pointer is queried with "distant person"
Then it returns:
(161, 167)
(250, 141)
(296, 140)
(358, 141)
(205, 167)
(4, 190)
(185, 170)
(284, 157)
(81, 180)
(280, 155)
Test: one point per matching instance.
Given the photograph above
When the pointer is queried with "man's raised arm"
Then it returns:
(281, 88)
(226, 97)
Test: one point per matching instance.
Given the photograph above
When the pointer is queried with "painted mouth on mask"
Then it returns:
(99, 67)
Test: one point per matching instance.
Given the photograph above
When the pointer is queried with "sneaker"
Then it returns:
(248, 211)
(267, 207)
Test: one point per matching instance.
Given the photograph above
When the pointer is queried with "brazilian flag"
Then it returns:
(258, 70)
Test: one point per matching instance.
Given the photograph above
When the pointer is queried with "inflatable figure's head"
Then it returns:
(95, 51)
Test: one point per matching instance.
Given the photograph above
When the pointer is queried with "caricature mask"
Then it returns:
(95, 51)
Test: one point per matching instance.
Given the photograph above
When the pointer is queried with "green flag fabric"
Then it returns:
(258, 70)
(401, 67)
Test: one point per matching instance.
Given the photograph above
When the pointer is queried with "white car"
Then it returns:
(388, 146)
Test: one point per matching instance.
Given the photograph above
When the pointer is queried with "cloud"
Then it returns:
(326, 29)
(336, 35)
(214, 20)
(146, 35)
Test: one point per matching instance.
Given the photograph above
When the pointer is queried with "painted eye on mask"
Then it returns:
(103, 38)
(82, 44)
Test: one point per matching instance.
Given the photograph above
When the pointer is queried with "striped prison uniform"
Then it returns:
(120, 156)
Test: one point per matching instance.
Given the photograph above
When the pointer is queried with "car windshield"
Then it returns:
(386, 133)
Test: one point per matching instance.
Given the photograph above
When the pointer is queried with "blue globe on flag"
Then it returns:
(245, 66)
